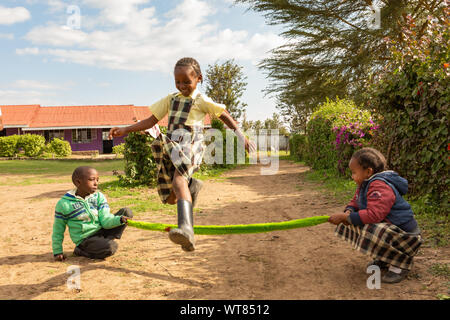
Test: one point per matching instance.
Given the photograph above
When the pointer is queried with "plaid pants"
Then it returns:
(382, 241)
(180, 149)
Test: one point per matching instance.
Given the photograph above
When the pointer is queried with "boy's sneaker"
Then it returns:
(195, 186)
(394, 275)
(381, 264)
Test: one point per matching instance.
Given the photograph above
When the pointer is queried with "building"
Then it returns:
(86, 128)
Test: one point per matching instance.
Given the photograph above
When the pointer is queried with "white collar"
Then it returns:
(74, 191)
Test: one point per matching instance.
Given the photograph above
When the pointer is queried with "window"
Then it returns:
(84, 135)
(51, 134)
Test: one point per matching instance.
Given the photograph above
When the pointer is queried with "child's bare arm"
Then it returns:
(140, 126)
(229, 121)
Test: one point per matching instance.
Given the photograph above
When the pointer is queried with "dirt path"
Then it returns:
(309, 263)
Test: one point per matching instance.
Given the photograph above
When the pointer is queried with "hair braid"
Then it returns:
(190, 62)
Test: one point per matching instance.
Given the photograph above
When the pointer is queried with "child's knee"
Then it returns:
(127, 212)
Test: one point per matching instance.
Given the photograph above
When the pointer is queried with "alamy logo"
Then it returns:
(74, 19)
(374, 280)
(74, 280)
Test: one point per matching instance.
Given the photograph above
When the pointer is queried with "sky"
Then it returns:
(100, 52)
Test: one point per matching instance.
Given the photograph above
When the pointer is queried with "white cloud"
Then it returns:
(25, 97)
(36, 85)
(30, 51)
(7, 36)
(56, 35)
(26, 91)
(129, 36)
(9, 16)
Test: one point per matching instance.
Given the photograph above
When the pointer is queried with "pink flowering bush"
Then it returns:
(334, 132)
(349, 138)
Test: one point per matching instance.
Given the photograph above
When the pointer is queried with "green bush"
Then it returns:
(33, 145)
(412, 99)
(325, 148)
(59, 147)
(298, 146)
(140, 166)
(8, 146)
(119, 149)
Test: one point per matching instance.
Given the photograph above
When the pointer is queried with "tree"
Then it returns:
(270, 123)
(275, 123)
(225, 83)
(332, 47)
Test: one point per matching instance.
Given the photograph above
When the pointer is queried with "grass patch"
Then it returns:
(286, 155)
(58, 167)
(339, 187)
(212, 172)
(441, 270)
(31, 172)
(137, 199)
(433, 221)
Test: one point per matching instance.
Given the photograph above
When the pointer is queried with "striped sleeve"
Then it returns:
(107, 220)
(59, 227)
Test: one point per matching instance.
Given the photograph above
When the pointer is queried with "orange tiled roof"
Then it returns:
(19, 115)
(36, 116)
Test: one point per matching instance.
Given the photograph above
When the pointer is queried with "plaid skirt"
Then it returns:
(382, 241)
(171, 155)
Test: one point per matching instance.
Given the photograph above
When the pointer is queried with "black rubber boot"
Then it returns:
(195, 186)
(184, 234)
(392, 277)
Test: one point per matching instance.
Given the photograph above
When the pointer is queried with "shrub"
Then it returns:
(334, 132)
(8, 146)
(140, 166)
(119, 149)
(298, 146)
(59, 147)
(33, 145)
(412, 100)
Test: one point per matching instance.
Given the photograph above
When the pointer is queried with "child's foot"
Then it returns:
(381, 264)
(194, 187)
(183, 238)
(394, 275)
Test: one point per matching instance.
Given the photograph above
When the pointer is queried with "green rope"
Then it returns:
(235, 229)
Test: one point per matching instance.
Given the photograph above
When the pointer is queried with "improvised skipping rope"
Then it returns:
(235, 229)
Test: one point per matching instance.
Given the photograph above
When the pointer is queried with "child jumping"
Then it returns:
(179, 152)
(378, 221)
(86, 212)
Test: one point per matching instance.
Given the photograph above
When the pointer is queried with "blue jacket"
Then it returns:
(401, 213)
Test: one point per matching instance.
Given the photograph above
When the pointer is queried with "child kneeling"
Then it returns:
(86, 212)
(378, 221)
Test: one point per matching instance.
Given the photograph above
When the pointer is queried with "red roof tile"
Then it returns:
(18, 116)
(35, 116)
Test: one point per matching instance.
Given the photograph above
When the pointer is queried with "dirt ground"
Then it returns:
(308, 263)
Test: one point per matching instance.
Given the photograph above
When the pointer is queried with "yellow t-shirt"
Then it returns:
(202, 105)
